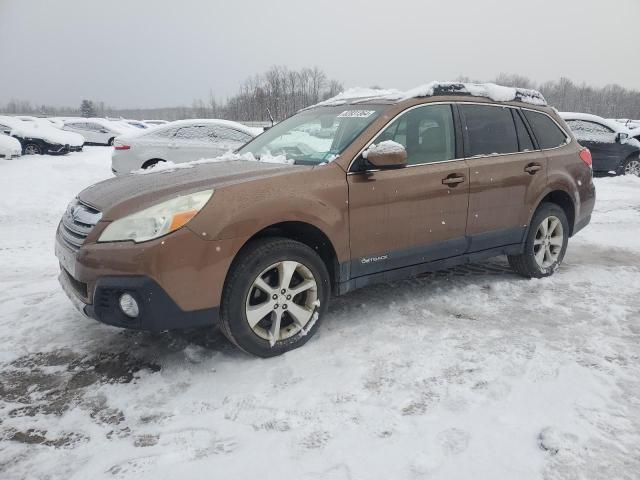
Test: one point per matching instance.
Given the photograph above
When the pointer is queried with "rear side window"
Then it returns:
(224, 133)
(490, 130)
(546, 131)
(164, 132)
(524, 139)
(192, 132)
(586, 131)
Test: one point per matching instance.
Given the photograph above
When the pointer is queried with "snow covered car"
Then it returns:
(155, 122)
(179, 141)
(137, 123)
(612, 146)
(258, 240)
(36, 139)
(97, 131)
(74, 140)
(10, 148)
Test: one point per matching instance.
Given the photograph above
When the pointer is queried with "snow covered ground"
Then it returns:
(471, 373)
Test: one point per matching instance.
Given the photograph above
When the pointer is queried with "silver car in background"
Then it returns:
(98, 131)
(179, 141)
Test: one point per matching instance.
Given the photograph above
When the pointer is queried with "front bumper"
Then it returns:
(57, 149)
(157, 311)
(177, 280)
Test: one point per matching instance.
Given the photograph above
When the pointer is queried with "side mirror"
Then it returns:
(621, 136)
(104, 131)
(387, 154)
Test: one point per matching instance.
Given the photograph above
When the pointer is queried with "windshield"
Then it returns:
(315, 136)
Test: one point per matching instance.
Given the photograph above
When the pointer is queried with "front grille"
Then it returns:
(78, 220)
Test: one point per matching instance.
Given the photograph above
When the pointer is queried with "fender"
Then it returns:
(558, 181)
(239, 211)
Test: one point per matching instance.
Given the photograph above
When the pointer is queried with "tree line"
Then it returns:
(280, 92)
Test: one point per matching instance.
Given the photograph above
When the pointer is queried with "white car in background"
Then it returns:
(74, 140)
(10, 148)
(179, 141)
(97, 131)
(37, 138)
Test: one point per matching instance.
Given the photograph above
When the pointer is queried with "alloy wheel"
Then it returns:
(632, 167)
(548, 243)
(31, 150)
(282, 301)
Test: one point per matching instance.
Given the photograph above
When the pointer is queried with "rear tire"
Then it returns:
(631, 167)
(151, 163)
(110, 142)
(275, 297)
(545, 245)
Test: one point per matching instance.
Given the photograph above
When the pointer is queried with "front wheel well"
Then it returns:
(307, 234)
(564, 201)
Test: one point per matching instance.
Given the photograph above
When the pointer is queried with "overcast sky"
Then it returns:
(143, 53)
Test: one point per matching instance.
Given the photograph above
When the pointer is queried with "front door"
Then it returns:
(415, 214)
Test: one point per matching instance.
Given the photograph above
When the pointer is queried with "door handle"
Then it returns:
(532, 168)
(453, 179)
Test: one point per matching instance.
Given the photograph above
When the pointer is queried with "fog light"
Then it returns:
(129, 306)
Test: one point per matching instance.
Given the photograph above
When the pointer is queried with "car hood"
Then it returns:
(120, 196)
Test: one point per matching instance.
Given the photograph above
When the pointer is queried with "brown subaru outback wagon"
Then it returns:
(367, 190)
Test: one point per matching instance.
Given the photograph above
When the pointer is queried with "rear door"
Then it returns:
(415, 214)
(190, 142)
(506, 174)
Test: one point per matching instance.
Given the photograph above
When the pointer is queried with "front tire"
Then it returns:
(545, 245)
(275, 297)
(110, 142)
(32, 149)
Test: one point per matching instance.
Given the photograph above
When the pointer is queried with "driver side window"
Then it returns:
(427, 133)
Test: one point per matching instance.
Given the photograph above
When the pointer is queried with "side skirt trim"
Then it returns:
(413, 270)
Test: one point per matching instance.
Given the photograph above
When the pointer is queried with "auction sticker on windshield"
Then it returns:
(356, 113)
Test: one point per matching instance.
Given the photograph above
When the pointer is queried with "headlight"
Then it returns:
(153, 222)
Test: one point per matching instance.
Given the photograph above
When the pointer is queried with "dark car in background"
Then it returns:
(34, 140)
(614, 148)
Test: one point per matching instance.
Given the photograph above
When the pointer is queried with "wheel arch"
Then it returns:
(303, 232)
(151, 161)
(563, 199)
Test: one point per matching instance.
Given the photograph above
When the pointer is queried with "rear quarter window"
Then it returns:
(548, 134)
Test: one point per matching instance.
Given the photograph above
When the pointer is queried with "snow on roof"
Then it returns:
(362, 94)
(612, 124)
(214, 121)
(497, 93)
(492, 91)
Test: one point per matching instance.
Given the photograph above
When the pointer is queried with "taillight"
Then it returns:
(585, 156)
(120, 146)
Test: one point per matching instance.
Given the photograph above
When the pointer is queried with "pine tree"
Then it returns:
(87, 109)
